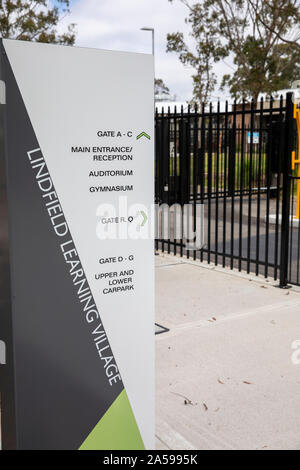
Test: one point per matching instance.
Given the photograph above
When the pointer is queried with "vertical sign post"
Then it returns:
(77, 277)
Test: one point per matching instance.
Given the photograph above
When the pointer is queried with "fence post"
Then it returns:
(286, 192)
(184, 146)
(232, 160)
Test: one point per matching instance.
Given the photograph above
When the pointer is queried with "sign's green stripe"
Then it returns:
(117, 430)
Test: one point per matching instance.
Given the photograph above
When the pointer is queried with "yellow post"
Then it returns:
(297, 161)
(298, 195)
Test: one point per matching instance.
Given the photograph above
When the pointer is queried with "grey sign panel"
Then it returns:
(54, 388)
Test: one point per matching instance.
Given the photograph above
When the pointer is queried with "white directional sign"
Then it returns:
(80, 160)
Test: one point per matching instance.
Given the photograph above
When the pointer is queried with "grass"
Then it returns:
(249, 168)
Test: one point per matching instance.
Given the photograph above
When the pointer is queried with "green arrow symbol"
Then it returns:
(144, 217)
(143, 134)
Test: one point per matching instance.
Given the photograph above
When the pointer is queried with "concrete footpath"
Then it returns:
(225, 378)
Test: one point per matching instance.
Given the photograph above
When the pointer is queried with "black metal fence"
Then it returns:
(225, 174)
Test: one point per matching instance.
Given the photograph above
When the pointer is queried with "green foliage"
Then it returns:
(207, 50)
(253, 33)
(35, 20)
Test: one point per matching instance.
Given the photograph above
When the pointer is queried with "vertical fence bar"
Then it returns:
(291, 228)
(253, 110)
(195, 177)
(279, 169)
(286, 191)
(202, 162)
(241, 186)
(258, 187)
(209, 177)
(225, 182)
(181, 171)
(162, 170)
(187, 130)
(175, 181)
(232, 162)
(217, 186)
(269, 181)
(168, 178)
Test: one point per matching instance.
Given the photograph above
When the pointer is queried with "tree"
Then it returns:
(35, 20)
(250, 32)
(207, 50)
(285, 9)
(160, 89)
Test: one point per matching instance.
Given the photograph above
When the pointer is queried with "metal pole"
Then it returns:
(286, 191)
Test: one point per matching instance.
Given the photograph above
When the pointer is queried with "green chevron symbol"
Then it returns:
(144, 217)
(143, 134)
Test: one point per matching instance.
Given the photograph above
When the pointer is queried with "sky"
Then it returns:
(115, 25)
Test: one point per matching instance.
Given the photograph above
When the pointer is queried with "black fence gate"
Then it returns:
(225, 186)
